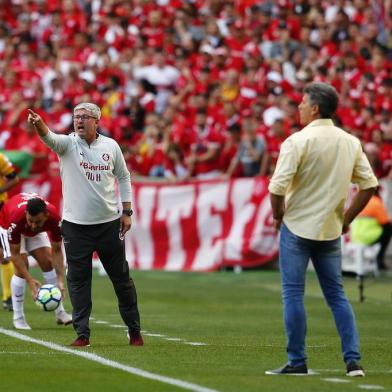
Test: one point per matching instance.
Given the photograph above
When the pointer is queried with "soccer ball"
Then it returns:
(49, 297)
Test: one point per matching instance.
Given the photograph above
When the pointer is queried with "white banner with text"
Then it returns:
(201, 226)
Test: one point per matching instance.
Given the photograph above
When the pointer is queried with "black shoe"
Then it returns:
(354, 370)
(287, 369)
(7, 304)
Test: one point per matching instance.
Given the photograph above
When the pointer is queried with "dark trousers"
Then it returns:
(80, 242)
(384, 242)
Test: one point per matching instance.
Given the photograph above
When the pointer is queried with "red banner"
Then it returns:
(194, 226)
(201, 226)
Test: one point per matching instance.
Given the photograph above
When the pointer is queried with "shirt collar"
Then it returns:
(321, 121)
(80, 140)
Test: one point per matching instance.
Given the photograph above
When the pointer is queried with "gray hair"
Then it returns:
(325, 96)
(90, 107)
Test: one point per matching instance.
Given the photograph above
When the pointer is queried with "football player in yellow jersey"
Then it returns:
(8, 179)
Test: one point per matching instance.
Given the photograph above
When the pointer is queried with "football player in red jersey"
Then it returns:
(25, 221)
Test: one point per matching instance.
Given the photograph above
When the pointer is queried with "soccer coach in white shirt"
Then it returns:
(90, 165)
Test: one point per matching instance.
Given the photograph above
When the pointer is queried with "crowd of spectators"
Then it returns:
(195, 88)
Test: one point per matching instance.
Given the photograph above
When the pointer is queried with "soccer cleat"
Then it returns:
(300, 370)
(81, 341)
(63, 318)
(354, 370)
(20, 323)
(7, 304)
(135, 338)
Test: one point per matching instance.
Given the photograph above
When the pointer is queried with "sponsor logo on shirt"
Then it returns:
(89, 166)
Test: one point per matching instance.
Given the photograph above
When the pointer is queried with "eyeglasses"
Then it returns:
(83, 117)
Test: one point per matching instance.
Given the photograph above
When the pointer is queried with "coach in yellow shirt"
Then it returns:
(308, 192)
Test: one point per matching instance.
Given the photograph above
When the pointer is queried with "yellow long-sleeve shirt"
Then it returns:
(314, 172)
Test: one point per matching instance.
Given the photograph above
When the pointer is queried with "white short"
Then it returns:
(27, 244)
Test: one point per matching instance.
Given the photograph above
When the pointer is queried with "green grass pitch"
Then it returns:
(220, 331)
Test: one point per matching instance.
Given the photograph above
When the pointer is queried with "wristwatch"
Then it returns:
(127, 212)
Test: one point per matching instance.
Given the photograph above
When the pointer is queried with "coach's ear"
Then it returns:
(315, 110)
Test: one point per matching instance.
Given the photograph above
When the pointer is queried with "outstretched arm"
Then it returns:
(57, 143)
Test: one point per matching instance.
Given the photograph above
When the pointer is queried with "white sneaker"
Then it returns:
(20, 323)
(63, 318)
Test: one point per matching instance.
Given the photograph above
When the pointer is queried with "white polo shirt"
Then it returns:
(89, 174)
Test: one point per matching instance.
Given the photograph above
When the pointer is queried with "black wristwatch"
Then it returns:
(127, 212)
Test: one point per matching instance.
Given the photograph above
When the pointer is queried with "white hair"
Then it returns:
(90, 107)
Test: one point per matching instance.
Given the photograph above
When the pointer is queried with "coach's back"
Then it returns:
(316, 167)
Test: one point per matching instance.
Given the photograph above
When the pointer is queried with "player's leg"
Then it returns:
(7, 271)
(39, 247)
(294, 256)
(18, 285)
(18, 288)
(79, 247)
(111, 252)
(327, 262)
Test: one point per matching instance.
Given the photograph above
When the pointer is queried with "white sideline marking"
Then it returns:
(337, 380)
(156, 335)
(109, 362)
(367, 386)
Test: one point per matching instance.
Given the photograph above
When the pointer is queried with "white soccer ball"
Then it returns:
(49, 297)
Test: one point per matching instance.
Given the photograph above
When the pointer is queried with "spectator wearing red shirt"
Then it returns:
(203, 160)
(154, 29)
(175, 166)
(236, 42)
(25, 220)
(275, 137)
(162, 75)
(251, 155)
(24, 139)
(386, 151)
(151, 159)
(72, 19)
(230, 150)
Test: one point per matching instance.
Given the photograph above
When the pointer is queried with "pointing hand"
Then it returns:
(33, 118)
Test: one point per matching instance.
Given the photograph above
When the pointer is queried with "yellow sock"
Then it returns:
(7, 270)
